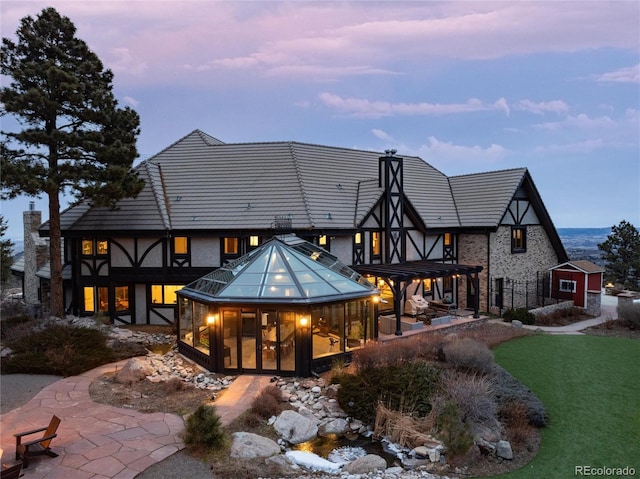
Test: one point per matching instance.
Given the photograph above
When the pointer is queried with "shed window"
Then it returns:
(567, 286)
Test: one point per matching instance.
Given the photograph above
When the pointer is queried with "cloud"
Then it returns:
(131, 101)
(363, 108)
(437, 151)
(581, 147)
(382, 135)
(336, 38)
(622, 75)
(553, 106)
(581, 122)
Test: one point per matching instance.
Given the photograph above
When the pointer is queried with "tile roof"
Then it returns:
(201, 183)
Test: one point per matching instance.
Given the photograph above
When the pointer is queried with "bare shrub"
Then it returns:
(473, 395)
(630, 313)
(378, 354)
(268, 403)
(493, 334)
(509, 389)
(520, 433)
(173, 384)
(469, 355)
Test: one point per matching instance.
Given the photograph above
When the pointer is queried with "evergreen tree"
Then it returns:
(6, 253)
(621, 252)
(74, 138)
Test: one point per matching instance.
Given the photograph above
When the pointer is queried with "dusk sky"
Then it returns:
(468, 86)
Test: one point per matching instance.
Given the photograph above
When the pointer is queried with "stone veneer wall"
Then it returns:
(497, 261)
(473, 249)
(551, 308)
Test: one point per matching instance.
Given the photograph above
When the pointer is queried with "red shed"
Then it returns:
(578, 280)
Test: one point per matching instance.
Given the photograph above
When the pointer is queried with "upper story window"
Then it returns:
(254, 241)
(91, 247)
(448, 241)
(376, 246)
(180, 245)
(358, 238)
(231, 246)
(518, 239)
(323, 240)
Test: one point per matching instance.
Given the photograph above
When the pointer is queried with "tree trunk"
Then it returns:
(55, 255)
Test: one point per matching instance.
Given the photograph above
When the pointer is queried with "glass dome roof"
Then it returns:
(284, 269)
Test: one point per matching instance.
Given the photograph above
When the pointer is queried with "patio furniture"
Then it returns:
(11, 472)
(36, 447)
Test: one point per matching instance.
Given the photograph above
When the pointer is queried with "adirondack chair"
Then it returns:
(11, 472)
(36, 447)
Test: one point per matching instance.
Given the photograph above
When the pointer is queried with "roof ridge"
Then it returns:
(453, 197)
(520, 168)
(160, 195)
(303, 191)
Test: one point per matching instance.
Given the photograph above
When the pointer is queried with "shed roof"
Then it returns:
(582, 265)
(283, 269)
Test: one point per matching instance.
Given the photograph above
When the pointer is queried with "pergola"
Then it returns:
(399, 276)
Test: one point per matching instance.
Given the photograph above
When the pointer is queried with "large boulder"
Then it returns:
(247, 445)
(329, 426)
(503, 450)
(366, 464)
(134, 370)
(295, 428)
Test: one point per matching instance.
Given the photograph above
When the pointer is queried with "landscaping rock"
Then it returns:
(503, 450)
(295, 428)
(516, 324)
(337, 426)
(247, 445)
(134, 370)
(365, 465)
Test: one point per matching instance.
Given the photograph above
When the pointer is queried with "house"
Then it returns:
(407, 227)
(579, 281)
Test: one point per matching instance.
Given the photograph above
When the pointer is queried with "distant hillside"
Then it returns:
(582, 243)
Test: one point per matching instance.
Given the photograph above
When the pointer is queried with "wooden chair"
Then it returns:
(11, 472)
(36, 447)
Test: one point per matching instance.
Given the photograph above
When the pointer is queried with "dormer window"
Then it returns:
(180, 245)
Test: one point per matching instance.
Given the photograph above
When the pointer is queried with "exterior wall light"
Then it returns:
(211, 319)
(304, 322)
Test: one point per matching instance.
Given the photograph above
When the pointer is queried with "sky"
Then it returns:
(468, 86)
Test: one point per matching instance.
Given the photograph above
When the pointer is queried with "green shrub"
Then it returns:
(58, 350)
(630, 312)
(521, 314)
(453, 432)
(469, 355)
(406, 387)
(203, 429)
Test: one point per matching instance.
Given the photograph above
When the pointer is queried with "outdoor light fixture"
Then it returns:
(304, 322)
(211, 319)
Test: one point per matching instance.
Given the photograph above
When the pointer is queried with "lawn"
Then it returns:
(590, 387)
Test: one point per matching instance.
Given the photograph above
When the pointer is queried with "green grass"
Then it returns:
(590, 387)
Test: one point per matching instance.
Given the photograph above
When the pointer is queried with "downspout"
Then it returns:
(488, 272)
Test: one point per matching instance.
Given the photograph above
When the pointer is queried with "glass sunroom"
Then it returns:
(288, 307)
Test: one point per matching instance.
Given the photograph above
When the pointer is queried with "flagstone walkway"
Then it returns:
(97, 441)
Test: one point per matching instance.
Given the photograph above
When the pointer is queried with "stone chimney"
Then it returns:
(36, 254)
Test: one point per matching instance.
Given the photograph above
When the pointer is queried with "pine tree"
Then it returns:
(74, 138)
(6, 253)
(621, 253)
